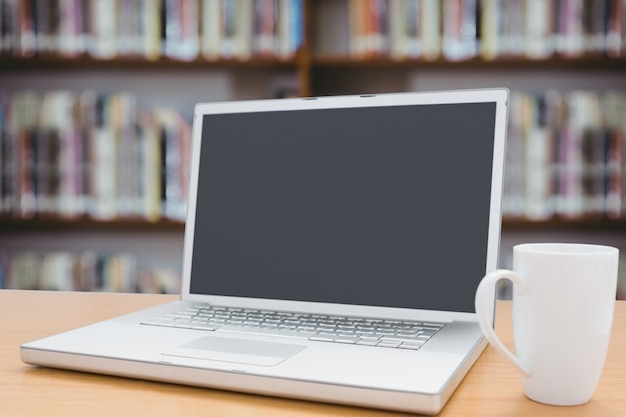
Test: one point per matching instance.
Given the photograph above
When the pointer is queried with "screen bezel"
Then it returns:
(497, 96)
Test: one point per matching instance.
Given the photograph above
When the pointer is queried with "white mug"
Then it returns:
(563, 302)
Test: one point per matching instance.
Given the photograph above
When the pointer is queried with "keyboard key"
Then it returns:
(322, 338)
(389, 343)
(410, 346)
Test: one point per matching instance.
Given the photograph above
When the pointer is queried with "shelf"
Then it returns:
(56, 224)
(85, 62)
(564, 224)
(12, 224)
(587, 62)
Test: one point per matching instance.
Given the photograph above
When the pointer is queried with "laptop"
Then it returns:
(333, 246)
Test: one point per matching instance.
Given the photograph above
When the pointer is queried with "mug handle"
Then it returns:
(484, 295)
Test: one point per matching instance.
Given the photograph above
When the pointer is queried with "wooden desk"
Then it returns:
(491, 388)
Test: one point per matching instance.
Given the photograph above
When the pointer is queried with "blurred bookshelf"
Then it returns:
(564, 62)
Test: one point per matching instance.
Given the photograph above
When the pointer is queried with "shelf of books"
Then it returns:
(74, 160)
(565, 156)
(458, 30)
(476, 63)
(185, 30)
(76, 154)
(84, 271)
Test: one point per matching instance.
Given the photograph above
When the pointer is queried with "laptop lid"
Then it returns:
(366, 205)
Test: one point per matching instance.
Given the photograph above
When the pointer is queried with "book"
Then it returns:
(243, 49)
(23, 271)
(57, 272)
(211, 28)
(103, 166)
(175, 139)
(181, 34)
(27, 38)
(358, 33)
(594, 22)
(149, 167)
(149, 33)
(459, 29)
(614, 107)
(491, 29)
(69, 18)
(615, 28)
(103, 24)
(515, 30)
(85, 271)
(24, 126)
(405, 29)
(570, 36)
(9, 26)
(431, 29)
(126, 28)
(123, 121)
(514, 195)
(538, 158)
(539, 41)
(264, 26)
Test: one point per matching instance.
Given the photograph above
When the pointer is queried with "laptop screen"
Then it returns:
(378, 206)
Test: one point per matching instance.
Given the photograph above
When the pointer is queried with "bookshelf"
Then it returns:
(316, 47)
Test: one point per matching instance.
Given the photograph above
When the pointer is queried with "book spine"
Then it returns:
(103, 23)
(538, 158)
(265, 27)
(149, 167)
(10, 26)
(27, 38)
(514, 180)
(211, 29)
(430, 24)
(571, 41)
(9, 158)
(243, 36)
(190, 39)
(596, 12)
(124, 108)
(297, 22)
(24, 124)
(356, 19)
(572, 157)
(125, 30)
(516, 34)
(538, 29)
(229, 24)
(57, 272)
(615, 27)
(614, 107)
(452, 29)
(85, 119)
(151, 23)
(491, 15)
(103, 177)
(379, 28)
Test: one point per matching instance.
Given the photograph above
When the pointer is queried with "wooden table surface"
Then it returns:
(491, 388)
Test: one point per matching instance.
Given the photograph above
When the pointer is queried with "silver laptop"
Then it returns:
(333, 246)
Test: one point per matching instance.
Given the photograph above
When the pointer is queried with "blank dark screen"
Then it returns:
(383, 206)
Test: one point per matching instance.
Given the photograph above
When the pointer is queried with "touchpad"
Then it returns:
(252, 352)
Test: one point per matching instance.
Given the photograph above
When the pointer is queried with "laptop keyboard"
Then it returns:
(399, 334)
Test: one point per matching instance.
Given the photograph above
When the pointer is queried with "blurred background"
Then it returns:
(96, 99)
